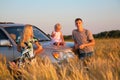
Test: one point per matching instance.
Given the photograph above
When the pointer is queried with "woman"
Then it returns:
(27, 41)
(25, 46)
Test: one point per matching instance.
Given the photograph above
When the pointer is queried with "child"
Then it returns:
(57, 36)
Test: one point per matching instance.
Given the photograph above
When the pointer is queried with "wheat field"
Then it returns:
(103, 65)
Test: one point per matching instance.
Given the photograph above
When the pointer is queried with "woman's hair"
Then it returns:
(27, 34)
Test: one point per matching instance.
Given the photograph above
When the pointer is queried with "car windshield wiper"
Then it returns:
(44, 40)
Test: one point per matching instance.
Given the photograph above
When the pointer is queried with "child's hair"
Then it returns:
(27, 34)
(57, 26)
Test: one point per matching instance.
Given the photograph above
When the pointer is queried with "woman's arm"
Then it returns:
(39, 48)
(18, 47)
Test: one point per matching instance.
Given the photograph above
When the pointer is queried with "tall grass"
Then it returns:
(103, 65)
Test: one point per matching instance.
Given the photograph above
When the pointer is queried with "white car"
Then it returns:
(8, 46)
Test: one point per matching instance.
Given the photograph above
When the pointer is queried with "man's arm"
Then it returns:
(91, 43)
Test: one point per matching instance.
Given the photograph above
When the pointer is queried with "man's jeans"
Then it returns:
(83, 55)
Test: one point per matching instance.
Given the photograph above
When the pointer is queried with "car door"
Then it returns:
(6, 47)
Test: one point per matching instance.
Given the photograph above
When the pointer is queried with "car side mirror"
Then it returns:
(5, 43)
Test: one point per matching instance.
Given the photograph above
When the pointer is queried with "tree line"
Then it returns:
(108, 34)
(105, 34)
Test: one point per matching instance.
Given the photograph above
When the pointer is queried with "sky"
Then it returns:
(97, 15)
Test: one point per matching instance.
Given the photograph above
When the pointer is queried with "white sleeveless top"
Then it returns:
(57, 37)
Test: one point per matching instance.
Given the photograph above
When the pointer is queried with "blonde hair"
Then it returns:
(57, 26)
(27, 34)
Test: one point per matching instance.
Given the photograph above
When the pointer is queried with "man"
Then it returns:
(83, 39)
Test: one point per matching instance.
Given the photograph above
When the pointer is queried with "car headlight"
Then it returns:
(58, 55)
(62, 55)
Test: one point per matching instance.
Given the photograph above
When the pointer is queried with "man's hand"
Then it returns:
(76, 46)
(82, 46)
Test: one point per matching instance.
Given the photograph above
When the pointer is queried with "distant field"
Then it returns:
(104, 65)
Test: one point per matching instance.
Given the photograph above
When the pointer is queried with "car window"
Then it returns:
(3, 35)
(17, 31)
(41, 36)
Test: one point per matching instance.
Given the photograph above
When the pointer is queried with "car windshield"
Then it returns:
(40, 35)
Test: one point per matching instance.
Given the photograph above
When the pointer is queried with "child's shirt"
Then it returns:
(57, 36)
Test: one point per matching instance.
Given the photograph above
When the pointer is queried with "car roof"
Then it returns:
(9, 24)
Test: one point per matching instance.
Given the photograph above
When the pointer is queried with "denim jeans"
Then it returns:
(83, 55)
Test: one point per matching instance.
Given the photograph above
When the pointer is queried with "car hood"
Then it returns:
(49, 44)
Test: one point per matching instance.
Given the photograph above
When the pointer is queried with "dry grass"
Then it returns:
(104, 65)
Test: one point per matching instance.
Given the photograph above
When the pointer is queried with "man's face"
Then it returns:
(78, 23)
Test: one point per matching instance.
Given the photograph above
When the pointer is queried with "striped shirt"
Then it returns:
(82, 38)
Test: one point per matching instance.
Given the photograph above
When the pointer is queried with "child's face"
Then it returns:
(58, 28)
